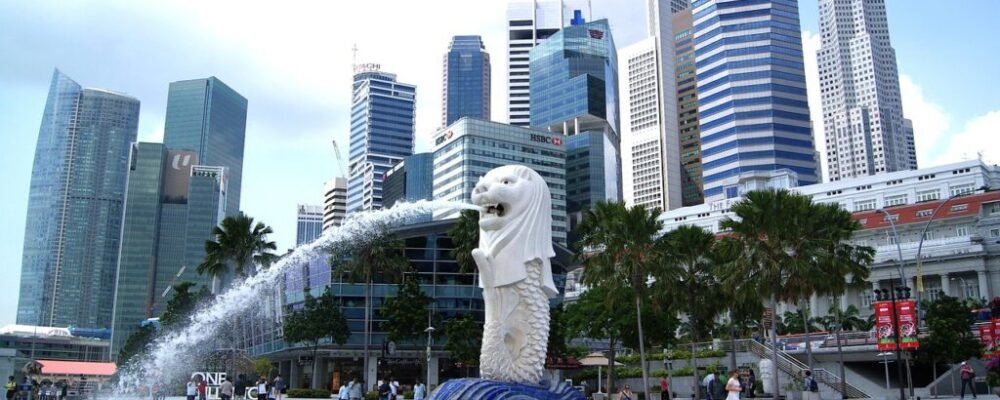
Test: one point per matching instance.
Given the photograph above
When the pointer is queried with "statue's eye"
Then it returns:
(506, 181)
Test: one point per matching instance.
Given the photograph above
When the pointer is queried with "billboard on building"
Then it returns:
(177, 176)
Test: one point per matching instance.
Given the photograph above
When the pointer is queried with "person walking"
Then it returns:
(664, 388)
(202, 389)
(393, 388)
(226, 389)
(419, 391)
(709, 383)
(751, 384)
(811, 387)
(967, 374)
(11, 387)
(355, 390)
(626, 393)
(279, 386)
(343, 394)
(192, 389)
(733, 386)
(262, 389)
(383, 390)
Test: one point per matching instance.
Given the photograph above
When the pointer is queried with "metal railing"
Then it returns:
(791, 366)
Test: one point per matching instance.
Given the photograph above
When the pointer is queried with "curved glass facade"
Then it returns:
(77, 194)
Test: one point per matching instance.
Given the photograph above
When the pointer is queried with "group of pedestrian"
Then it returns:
(735, 388)
(30, 389)
(351, 390)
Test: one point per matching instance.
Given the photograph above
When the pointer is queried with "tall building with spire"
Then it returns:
(383, 111)
(73, 230)
(466, 87)
(751, 95)
(863, 121)
(530, 23)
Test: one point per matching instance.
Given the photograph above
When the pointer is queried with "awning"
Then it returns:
(53, 367)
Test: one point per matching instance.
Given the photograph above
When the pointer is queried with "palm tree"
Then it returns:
(239, 241)
(621, 244)
(378, 256)
(689, 273)
(465, 235)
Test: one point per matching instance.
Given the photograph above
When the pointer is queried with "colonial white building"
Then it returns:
(960, 253)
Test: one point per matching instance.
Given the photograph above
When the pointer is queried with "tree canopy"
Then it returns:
(406, 313)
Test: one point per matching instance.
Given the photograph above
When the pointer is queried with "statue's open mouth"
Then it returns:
(494, 209)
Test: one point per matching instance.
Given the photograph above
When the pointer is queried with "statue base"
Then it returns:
(482, 389)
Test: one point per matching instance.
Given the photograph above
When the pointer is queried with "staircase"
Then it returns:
(793, 367)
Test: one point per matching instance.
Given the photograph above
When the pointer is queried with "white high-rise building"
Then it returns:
(862, 114)
(530, 23)
(651, 167)
(334, 202)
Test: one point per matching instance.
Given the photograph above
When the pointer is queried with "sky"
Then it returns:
(292, 60)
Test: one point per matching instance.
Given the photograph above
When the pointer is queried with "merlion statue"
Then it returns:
(515, 244)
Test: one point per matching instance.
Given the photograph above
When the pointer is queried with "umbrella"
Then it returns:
(598, 359)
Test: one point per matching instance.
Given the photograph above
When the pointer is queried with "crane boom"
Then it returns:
(340, 161)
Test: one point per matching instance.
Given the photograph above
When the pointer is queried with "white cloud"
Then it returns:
(977, 138)
(930, 121)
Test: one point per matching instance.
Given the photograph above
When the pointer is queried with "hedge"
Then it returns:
(309, 393)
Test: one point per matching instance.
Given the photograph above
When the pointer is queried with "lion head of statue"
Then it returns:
(516, 216)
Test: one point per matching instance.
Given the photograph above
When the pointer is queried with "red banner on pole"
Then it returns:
(995, 323)
(906, 313)
(986, 339)
(884, 326)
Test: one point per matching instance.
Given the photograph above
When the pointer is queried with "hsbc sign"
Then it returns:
(555, 141)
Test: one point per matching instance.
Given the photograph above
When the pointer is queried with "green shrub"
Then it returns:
(309, 393)
(407, 394)
(372, 395)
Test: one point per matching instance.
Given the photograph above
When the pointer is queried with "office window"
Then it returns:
(864, 205)
(896, 200)
(962, 231)
(928, 195)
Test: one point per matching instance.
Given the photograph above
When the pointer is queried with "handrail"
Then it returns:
(792, 366)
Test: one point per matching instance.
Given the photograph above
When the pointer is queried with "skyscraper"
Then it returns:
(73, 229)
(692, 192)
(751, 93)
(173, 204)
(209, 118)
(466, 86)
(529, 23)
(651, 166)
(381, 133)
(863, 121)
(410, 180)
(334, 202)
(309, 223)
(677, 6)
(574, 92)
(469, 148)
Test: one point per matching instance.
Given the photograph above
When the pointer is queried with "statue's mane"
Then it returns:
(529, 235)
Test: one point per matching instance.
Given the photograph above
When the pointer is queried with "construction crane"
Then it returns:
(340, 161)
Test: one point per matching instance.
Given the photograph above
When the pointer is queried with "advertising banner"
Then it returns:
(986, 339)
(884, 326)
(906, 313)
(996, 336)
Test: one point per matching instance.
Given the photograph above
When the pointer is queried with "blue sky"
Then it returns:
(292, 60)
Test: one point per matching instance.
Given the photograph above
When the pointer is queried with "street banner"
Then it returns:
(986, 339)
(996, 336)
(884, 326)
(906, 313)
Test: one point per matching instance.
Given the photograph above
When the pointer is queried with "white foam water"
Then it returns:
(170, 355)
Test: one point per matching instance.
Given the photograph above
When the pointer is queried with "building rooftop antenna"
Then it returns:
(354, 56)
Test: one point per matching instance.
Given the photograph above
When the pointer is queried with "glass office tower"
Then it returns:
(574, 92)
(209, 118)
(382, 117)
(72, 234)
(466, 86)
(752, 103)
(309, 223)
(172, 206)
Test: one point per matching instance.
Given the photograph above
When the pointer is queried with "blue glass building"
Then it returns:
(410, 180)
(752, 102)
(466, 86)
(382, 115)
(173, 204)
(574, 91)
(73, 228)
(209, 118)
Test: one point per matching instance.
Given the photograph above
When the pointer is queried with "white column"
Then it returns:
(371, 376)
(295, 374)
(984, 285)
(946, 284)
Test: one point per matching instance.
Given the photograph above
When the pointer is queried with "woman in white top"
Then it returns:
(733, 386)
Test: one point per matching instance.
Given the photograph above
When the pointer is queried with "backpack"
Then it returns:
(813, 386)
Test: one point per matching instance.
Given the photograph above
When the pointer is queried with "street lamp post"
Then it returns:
(889, 294)
(885, 361)
(429, 330)
(965, 285)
